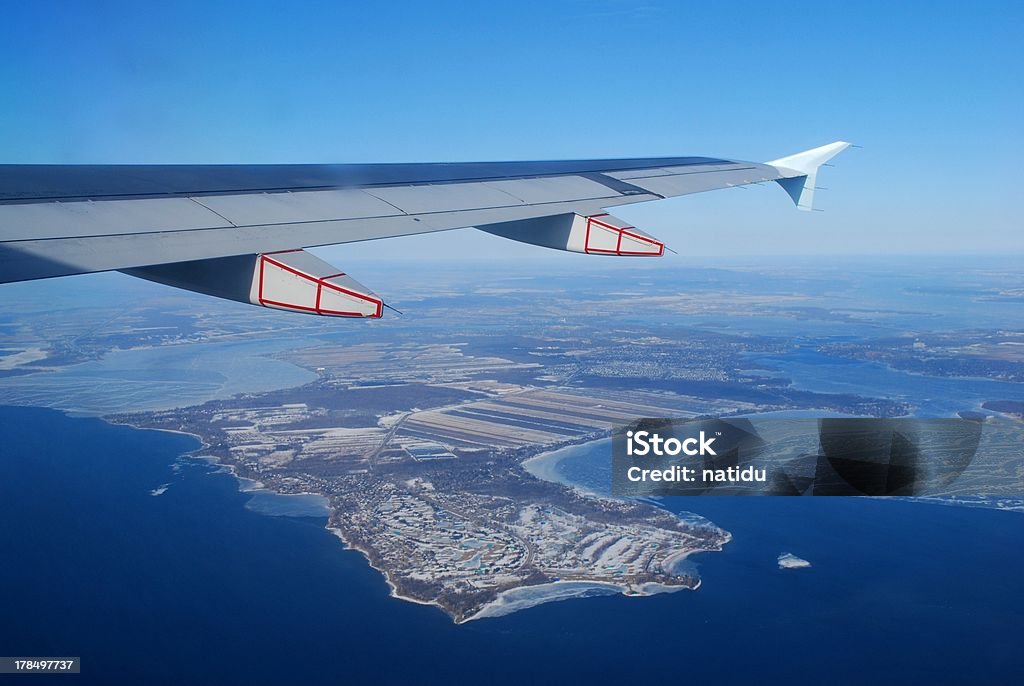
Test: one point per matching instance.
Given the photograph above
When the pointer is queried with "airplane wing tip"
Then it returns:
(798, 173)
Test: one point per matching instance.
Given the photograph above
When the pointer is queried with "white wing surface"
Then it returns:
(208, 227)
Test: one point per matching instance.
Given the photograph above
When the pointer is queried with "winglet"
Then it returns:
(799, 172)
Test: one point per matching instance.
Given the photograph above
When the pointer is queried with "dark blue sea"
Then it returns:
(191, 587)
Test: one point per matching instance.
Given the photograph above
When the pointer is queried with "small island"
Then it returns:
(791, 561)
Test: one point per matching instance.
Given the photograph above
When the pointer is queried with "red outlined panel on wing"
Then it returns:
(608, 235)
(297, 281)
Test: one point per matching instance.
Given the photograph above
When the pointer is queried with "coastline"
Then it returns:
(393, 589)
(387, 580)
(245, 484)
(508, 601)
(525, 597)
(542, 466)
(249, 485)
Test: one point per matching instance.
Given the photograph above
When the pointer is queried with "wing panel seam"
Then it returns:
(207, 207)
(323, 221)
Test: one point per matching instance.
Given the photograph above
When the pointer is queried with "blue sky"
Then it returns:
(931, 90)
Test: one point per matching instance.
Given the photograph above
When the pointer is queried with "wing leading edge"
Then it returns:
(164, 222)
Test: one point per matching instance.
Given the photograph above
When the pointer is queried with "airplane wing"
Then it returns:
(238, 231)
